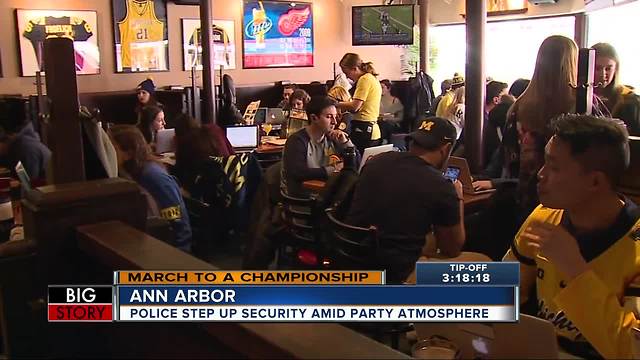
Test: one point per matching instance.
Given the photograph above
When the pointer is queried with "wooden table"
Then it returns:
(269, 149)
(471, 201)
(268, 154)
(169, 159)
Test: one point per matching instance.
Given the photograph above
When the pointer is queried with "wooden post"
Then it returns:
(208, 85)
(580, 30)
(476, 19)
(424, 38)
(584, 91)
(41, 117)
(196, 104)
(65, 136)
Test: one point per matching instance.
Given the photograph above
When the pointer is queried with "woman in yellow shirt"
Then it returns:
(365, 103)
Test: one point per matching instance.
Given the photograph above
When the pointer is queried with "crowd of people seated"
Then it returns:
(554, 209)
(535, 155)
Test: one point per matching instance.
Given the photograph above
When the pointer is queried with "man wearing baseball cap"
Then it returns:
(406, 196)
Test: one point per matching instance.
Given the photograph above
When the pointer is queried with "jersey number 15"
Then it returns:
(142, 34)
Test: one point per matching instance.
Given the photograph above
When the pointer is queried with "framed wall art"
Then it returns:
(277, 34)
(224, 46)
(34, 26)
(141, 35)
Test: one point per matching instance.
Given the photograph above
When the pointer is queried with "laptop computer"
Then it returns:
(275, 116)
(243, 138)
(269, 116)
(25, 181)
(164, 141)
(531, 337)
(250, 112)
(296, 121)
(260, 116)
(465, 176)
(373, 151)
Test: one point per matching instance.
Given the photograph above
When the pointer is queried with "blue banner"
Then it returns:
(316, 295)
(468, 273)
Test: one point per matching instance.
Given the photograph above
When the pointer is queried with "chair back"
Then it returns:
(630, 182)
(298, 216)
(352, 247)
(206, 230)
(300, 219)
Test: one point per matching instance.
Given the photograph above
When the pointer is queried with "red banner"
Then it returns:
(80, 312)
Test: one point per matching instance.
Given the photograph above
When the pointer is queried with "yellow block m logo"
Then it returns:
(426, 125)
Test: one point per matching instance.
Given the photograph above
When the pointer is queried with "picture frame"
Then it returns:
(35, 25)
(277, 34)
(505, 7)
(224, 45)
(141, 35)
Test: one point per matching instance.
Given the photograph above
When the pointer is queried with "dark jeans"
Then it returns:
(492, 230)
(388, 128)
(361, 132)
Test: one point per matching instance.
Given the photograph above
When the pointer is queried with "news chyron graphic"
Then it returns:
(277, 34)
(444, 292)
(80, 303)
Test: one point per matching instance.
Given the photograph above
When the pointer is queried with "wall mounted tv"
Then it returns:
(382, 25)
(277, 34)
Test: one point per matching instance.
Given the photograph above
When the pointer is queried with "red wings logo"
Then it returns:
(292, 20)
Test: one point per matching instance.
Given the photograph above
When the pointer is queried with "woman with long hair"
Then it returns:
(550, 93)
(620, 101)
(365, 103)
(139, 164)
(146, 96)
(192, 149)
(151, 121)
(186, 123)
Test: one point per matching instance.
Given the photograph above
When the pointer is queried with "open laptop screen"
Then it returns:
(25, 181)
(243, 136)
(164, 141)
(261, 116)
(373, 151)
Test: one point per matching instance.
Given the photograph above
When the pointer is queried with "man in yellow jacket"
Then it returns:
(580, 249)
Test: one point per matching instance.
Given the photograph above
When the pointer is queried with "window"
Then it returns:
(511, 47)
(618, 26)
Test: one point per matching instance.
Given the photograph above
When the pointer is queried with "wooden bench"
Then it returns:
(118, 107)
(120, 246)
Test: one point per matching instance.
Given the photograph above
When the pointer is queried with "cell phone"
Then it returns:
(452, 173)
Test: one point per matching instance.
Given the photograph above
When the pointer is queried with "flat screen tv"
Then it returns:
(382, 25)
(277, 34)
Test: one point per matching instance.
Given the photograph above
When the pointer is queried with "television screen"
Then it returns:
(277, 34)
(382, 25)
